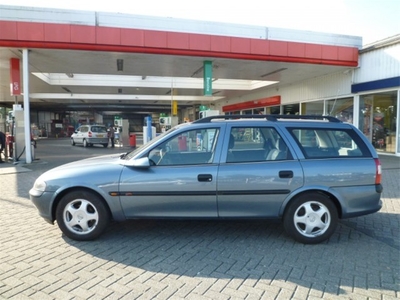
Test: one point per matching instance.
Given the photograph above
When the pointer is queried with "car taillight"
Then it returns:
(89, 134)
(378, 172)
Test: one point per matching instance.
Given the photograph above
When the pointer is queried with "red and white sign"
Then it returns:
(15, 77)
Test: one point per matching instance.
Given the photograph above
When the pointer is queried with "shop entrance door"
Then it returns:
(378, 115)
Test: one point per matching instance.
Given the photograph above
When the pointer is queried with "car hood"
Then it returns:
(86, 169)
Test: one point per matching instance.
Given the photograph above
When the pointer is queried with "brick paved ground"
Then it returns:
(191, 260)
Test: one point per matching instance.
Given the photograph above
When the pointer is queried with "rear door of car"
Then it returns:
(253, 185)
(181, 182)
(337, 158)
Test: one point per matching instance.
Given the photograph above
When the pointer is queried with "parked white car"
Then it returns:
(88, 135)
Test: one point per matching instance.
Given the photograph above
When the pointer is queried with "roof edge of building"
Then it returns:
(120, 20)
(395, 39)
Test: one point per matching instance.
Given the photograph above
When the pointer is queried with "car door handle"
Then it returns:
(204, 177)
(285, 174)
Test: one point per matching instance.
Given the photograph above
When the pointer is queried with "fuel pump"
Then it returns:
(16, 139)
(17, 131)
(10, 135)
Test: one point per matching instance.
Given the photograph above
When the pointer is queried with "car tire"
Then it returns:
(85, 143)
(72, 142)
(82, 215)
(105, 145)
(311, 218)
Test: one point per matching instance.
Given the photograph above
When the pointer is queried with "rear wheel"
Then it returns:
(311, 218)
(82, 215)
(85, 143)
(105, 145)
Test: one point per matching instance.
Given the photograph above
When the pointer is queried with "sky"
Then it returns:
(373, 20)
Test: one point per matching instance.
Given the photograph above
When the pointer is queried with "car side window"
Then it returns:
(254, 144)
(328, 143)
(188, 148)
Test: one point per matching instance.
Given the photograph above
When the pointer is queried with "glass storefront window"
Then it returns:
(312, 108)
(259, 111)
(378, 115)
(342, 109)
(273, 110)
(291, 109)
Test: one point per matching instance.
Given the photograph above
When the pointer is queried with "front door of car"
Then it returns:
(180, 183)
(257, 174)
(79, 135)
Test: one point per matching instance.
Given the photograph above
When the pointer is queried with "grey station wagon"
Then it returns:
(308, 171)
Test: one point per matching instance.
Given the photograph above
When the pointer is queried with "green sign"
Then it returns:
(207, 79)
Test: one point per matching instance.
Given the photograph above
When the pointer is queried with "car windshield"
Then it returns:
(129, 155)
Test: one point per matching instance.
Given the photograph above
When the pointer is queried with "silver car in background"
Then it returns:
(307, 171)
(88, 135)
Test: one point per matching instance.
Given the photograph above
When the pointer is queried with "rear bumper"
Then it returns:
(358, 200)
(379, 188)
(98, 140)
(365, 211)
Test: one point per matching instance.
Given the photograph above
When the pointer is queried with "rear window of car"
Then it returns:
(99, 129)
(329, 143)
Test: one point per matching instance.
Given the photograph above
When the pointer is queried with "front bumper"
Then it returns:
(43, 204)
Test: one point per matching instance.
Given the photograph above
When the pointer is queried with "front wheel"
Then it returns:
(85, 143)
(311, 218)
(82, 215)
(72, 142)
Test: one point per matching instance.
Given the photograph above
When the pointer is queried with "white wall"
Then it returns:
(331, 86)
(98, 118)
(379, 64)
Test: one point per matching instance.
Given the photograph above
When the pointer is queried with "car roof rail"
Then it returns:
(269, 118)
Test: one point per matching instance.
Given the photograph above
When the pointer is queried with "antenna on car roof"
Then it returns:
(268, 118)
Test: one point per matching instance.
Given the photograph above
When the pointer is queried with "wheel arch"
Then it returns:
(321, 191)
(62, 193)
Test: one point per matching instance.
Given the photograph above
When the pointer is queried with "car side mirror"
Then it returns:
(142, 162)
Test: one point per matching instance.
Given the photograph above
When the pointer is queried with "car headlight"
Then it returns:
(38, 188)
